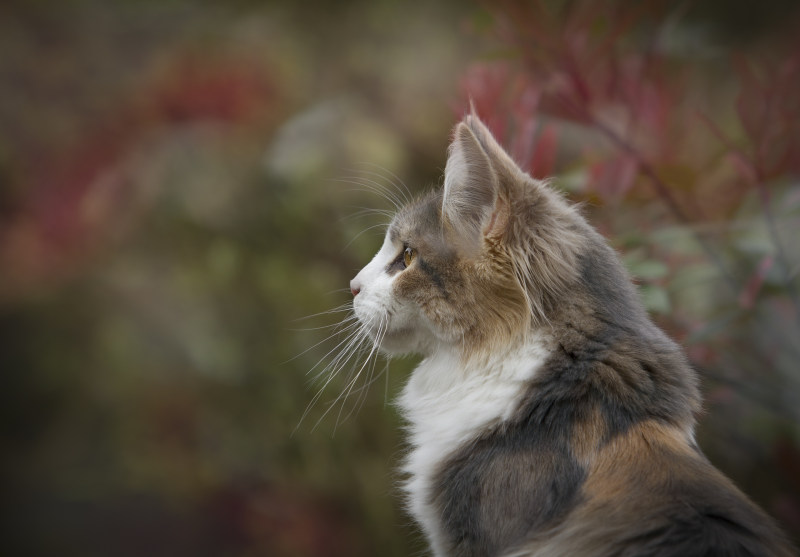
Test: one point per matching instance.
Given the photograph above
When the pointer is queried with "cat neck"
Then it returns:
(455, 370)
(450, 397)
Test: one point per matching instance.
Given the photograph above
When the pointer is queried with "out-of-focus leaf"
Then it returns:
(640, 267)
(676, 239)
(754, 239)
(695, 289)
(655, 298)
(679, 176)
(751, 289)
(544, 153)
(648, 270)
(712, 327)
(613, 178)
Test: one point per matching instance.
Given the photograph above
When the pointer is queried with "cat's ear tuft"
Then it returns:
(497, 155)
(470, 187)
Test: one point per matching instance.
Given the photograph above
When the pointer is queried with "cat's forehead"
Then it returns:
(419, 218)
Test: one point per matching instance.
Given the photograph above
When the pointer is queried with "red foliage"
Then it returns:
(229, 91)
(582, 66)
(769, 109)
(79, 190)
(638, 107)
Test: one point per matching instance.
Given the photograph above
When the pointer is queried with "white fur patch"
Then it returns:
(398, 327)
(448, 404)
(374, 284)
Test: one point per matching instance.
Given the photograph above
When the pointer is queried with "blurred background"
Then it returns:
(182, 195)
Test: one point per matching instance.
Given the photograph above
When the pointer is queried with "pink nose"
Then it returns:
(355, 288)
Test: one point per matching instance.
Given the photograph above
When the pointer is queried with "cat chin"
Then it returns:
(405, 342)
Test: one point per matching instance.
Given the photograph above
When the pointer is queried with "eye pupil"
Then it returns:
(408, 256)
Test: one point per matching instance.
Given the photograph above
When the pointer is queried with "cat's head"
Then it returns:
(475, 265)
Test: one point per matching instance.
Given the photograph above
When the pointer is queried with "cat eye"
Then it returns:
(408, 256)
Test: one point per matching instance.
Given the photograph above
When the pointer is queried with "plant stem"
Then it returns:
(662, 190)
(772, 229)
(756, 178)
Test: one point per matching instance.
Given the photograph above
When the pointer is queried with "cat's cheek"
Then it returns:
(433, 310)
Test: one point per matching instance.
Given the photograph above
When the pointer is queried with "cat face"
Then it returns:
(399, 294)
(473, 265)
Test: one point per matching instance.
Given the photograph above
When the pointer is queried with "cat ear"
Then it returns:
(470, 201)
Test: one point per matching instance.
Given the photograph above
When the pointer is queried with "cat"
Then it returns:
(549, 416)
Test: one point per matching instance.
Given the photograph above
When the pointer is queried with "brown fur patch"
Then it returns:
(648, 493)
(636, 456)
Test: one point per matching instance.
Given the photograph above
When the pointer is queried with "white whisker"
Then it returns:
(332, 325)
(370, 371)
(364, 211)
(334, 334)
(348, 389)
(333, 368)
(350, 339)
(371, 186)
(347, 306)
(392, 179)
(382, 225)
(357, 346)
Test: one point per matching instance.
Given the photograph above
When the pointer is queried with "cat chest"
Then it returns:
(490, 492)
(445, 420)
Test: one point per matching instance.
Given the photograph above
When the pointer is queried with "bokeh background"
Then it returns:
(182, 195)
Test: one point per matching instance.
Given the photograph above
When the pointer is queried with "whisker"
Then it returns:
(371, 378)
(328, 338)
(339, 324)
(361, 390)
(356, 345)
(352, 347)
(363, 211)
(385, 373)
(348, 353)
(382, 225)
(396, 183)
(371, 186)
(354, 375)
(395, 204)
(353, 381)
(347, 341)
(337, 291)
(344, 307)
(338, 398)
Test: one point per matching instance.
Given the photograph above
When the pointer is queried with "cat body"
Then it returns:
(550, 416)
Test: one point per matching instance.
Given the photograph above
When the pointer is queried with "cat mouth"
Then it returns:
(384, 336)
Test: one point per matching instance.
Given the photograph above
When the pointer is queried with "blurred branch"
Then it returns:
(755, 175)
(772, 229)
(756, 397)
(663, 192)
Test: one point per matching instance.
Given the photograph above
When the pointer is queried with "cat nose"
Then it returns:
(355, 287)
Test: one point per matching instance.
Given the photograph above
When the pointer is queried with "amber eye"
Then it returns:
(408, 256)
